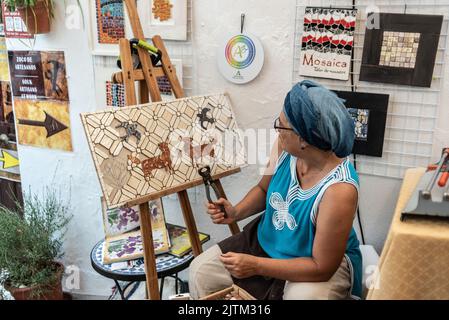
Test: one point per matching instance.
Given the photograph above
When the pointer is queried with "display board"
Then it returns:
(413, 111)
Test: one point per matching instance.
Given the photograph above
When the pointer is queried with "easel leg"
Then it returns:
(148, 250)
(190, 223)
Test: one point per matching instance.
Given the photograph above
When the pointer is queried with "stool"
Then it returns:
(167, 266)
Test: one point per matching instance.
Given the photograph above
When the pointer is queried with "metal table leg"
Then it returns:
(162, 286)
(117, 285)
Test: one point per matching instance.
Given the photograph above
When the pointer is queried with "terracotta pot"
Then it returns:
(52, 292)
(37, 18)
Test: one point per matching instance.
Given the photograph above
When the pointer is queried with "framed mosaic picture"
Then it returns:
(369, 112)
(403, 50)
(108, 23)
(123, 242)
(167, 18)
(327, 42)
(119, 220)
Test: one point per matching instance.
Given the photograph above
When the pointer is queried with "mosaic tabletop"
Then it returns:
(164, 262)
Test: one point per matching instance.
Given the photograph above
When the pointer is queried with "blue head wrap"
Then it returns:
(320, 117)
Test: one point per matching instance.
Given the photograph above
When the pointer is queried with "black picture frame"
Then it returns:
(377, 104)
(429, 27)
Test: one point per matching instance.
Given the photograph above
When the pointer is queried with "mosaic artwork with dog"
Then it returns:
(146, 149)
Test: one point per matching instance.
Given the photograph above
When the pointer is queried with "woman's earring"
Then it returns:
(303, 147)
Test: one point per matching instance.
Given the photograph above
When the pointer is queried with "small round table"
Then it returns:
(167, 266)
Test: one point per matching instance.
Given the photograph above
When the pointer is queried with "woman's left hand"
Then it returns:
(240, 265)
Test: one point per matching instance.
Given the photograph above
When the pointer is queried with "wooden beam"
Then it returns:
(144, 56)
(144, 96)
(190, 223)
(138, 75)
(180, 188)
(169, 69)
(148, 252)
(127, 73)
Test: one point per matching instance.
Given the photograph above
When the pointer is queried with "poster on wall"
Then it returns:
(327, 42)
(369, 112)
(167, 18)
(14, 26)
(6, 110)
(9, 160)
(4, 68)
(2, 22)
(403, 50)
(241, 58)
(41, 98)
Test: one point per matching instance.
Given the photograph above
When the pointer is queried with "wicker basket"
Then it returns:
(220, 295)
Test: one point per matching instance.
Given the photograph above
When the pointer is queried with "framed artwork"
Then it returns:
(167, 18)
(327, 42)
(121, 245)
(119, 220)
(403, 50)
(153, 149)
(108, 23)
(369, 112)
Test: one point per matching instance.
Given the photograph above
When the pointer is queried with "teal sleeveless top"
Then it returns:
(287, 227)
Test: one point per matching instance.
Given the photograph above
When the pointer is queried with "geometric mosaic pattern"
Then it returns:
(329, 30)
(399, 49)
(146, 149)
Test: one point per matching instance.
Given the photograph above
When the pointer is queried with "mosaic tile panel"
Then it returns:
(399, 49)
(361, 119)
(148, 149)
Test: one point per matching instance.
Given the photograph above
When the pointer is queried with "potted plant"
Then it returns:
(30, 246)
(36, 14)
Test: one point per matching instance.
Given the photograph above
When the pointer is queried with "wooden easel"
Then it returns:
(148, 87)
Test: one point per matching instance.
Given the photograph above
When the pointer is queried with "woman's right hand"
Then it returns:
(217, 216)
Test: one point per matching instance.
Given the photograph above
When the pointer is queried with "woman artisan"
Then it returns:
(303, 246)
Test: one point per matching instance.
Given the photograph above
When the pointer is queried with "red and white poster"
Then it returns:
(327, 42)
(14, 27)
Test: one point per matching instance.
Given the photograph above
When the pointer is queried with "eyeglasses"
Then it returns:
(277, 125)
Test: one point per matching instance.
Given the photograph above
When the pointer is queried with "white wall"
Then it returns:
(70, 170)
(256, 105)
